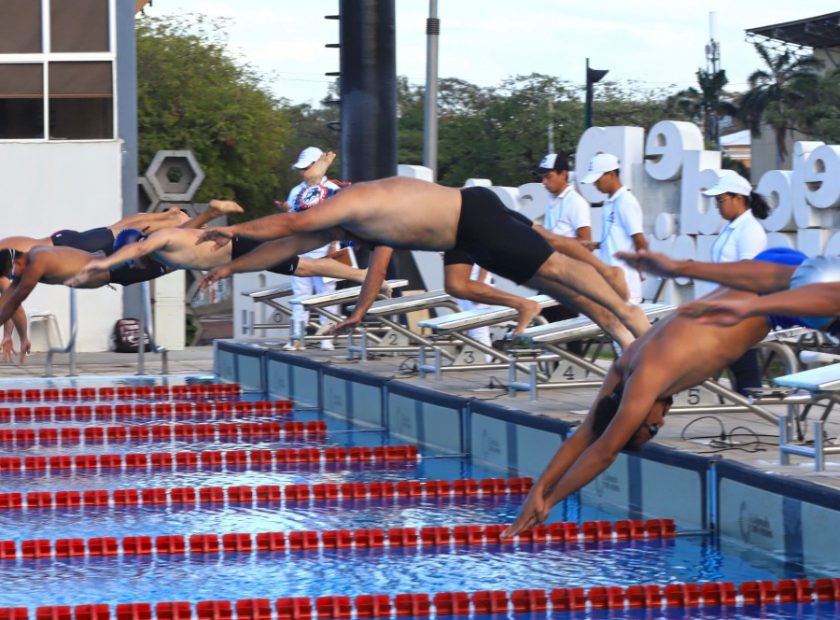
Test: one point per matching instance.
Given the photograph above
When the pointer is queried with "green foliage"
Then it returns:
(778, 92)
(820, 118)
(193, 95)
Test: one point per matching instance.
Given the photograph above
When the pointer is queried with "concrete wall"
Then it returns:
(49, 186)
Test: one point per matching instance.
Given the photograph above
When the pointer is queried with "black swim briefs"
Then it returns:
(241, 245)
(497, 238)
(94, 240)
(126, 275)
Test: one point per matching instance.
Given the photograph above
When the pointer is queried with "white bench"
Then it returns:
(452, 329)
(281, 315)
(319, 304)
(397, 338)
(819, 384)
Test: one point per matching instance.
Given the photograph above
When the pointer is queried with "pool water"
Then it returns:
(154, 578)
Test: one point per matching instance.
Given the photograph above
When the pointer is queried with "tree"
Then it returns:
(193, 95)
(820, 116)
(705, 106)
(776, 94)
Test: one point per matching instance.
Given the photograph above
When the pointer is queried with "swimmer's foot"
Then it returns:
(223, 207)
(616, 279)
(179, 216)
(318, 170)
(528, 311)
(637, 322)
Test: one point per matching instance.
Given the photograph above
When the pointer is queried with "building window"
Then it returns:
(78, 26)
(58, 86)
(20, 27)
(81, 100)
(21, 101)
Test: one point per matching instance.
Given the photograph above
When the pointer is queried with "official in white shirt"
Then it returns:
(742, 238)
(622, 229)
(567, 213)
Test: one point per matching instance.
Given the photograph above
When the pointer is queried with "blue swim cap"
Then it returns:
(781, 256)
(126, 236)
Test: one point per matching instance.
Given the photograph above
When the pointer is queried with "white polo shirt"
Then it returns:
(740, 239)
(567, 212)
(622, 218)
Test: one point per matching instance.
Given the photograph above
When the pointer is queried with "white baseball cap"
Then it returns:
(307, 157)
(598, 165)
(729, 182)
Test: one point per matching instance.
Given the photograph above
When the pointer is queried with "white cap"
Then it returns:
(547, 163)
(729, 182)
(598, 165)
(307, 157)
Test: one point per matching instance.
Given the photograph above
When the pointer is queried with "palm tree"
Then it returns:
(777, 92)
(705, 106)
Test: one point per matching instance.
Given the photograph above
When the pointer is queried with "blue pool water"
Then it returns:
(232, 576)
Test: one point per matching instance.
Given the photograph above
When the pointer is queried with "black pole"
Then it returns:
(368, 89)
(593, 76)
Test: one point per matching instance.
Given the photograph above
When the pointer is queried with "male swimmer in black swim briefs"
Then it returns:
(412, 214)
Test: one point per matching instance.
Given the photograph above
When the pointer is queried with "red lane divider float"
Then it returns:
(168, 410)
(197, 390)
(214, 459)
(70, 435)
(706, 595)
(267, 493)
(398, 537)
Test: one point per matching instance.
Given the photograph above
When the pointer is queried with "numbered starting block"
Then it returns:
(450, 331)
(569, 369)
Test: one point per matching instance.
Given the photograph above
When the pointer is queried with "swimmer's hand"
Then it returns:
(221, 236)
(86, 273)
(346, 326)
(214, 275)
(8, 350)
(722, 312)
(533, 512)
(650, 262)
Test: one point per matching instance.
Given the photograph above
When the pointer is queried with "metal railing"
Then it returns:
(146, 329)
(70, 347)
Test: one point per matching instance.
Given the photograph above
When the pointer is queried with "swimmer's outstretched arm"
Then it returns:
(132, 251)
(268, 254)
(745, 275)
(811, 300)
(540, 499)
(377, 269)
(20, 290)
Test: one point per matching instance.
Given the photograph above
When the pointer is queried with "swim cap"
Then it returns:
(817, 270)
(126, 236)
(781, 256)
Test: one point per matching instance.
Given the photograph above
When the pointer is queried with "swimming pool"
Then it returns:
(256, 511)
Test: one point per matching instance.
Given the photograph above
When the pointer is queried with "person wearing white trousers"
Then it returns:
(316, 284)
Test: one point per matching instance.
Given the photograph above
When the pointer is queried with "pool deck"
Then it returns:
(568, 404)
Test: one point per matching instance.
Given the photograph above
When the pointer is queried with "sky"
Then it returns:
(656, 43)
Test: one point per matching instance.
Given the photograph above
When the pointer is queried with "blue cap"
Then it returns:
(126, 236)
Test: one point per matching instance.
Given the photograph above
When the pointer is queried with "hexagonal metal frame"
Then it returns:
(180, 191)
